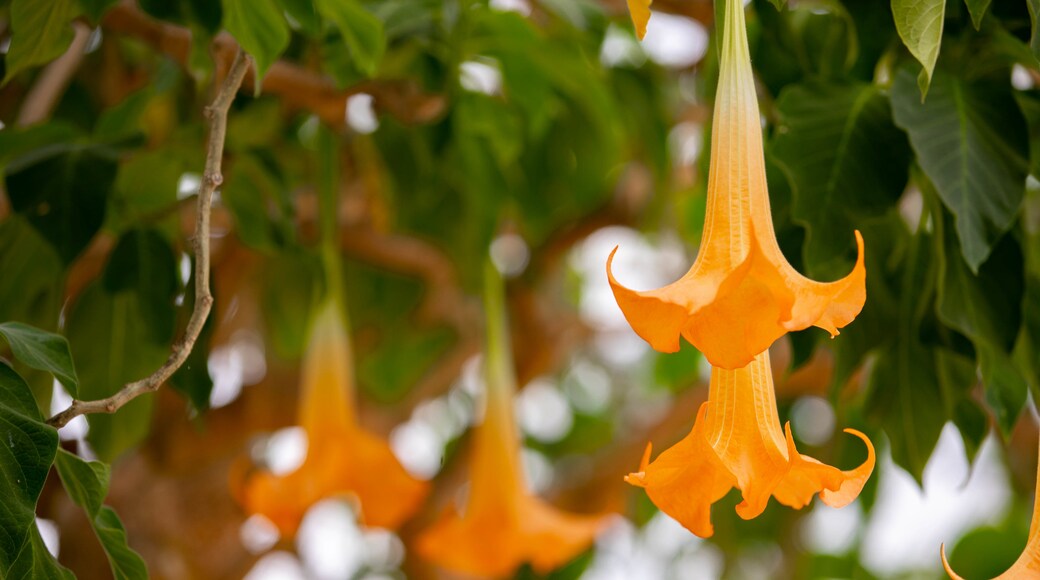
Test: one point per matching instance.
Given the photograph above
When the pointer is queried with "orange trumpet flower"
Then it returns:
(1027, 566)
(741, 293)
(737, 441)
(342, 458)
(502, 524)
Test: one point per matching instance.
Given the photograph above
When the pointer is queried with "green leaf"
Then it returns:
(971, 142)
(143, 263)
(87, 484)
(977, 8)
(43, 351)
(253, 194)
(362, 32)
(40, 32)
(260, 27)
(32, 285)
(85, 481)
(304, 14)
(27, 447)
(114, 345)
(920, 25)
(35, 562)
(846, 162)
(778, 3)
(1034, 38)
(62, 192)
(95, 9)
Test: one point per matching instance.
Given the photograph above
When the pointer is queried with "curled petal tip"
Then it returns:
(946, 564)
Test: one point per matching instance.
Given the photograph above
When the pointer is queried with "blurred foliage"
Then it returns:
(900, 121)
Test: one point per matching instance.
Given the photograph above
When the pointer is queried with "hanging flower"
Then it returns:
(737, 441)
(342, 458)
(502, 524)
(1027, 566)
(741, 293)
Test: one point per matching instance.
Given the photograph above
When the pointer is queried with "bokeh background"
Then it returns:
(544, 133)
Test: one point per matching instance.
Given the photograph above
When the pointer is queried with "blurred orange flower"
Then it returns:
(342, 458)
(502, 524)
(1027, 566)
(737, 441)
(741, 293)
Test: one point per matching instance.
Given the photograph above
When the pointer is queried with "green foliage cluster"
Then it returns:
(900, 121)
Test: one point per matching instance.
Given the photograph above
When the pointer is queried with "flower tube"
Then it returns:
(741, 294)
(737, 441)
(502, 523)
(342, 458)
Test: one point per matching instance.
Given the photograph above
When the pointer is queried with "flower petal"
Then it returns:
(806, 478)
(828, 305)
(687, 478)
(854, 478)
(640, 12)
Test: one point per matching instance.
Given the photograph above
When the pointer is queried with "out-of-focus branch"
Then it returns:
(295, 86)
(50, 85)
(216, 114)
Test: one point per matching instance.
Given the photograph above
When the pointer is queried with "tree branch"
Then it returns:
(297, 87)
(216, 115)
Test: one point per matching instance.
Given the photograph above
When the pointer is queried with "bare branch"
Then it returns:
(216, 115)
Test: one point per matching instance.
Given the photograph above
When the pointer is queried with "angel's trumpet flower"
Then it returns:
(741, 293)
(737, 441)
(502, 523)
(1027, 566)
(343, 460)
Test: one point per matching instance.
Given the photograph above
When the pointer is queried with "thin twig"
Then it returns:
(216, 114)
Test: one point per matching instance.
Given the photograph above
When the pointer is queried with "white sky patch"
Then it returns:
(277, 566)
(418, 447)
(620, 48)
(519, 6)
(50, 534)
(236, 364)
(77, 428)
(587, 386)
(906, 526)
(675, 41)
(1021, 79)
(812, 420)
(684, 143)
(330, 543)
(830, 530)
(510, 254)
(544, 412)
(361, 114)
(481, 75)
(538, 471)
(286, 450)
(662, 549)
(258, 534)
(188, 185)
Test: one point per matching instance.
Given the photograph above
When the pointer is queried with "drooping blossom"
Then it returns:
(343, 460)
(741, 293)
(502, 524)
(737, 441)
(1027, 566)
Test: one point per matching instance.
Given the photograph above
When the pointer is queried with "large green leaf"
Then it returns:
(87, 485)
(62, 192)
(971, 141)
(114, 345)
(42, 350)
(143, 263)
(304, 14)
(31, 284)
(362, 32)
(35, 562)
(27, 447)
(977, 8)
(41, 30)
(920, 25)
(846, 162)
(260, 27)
(1034, 38)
